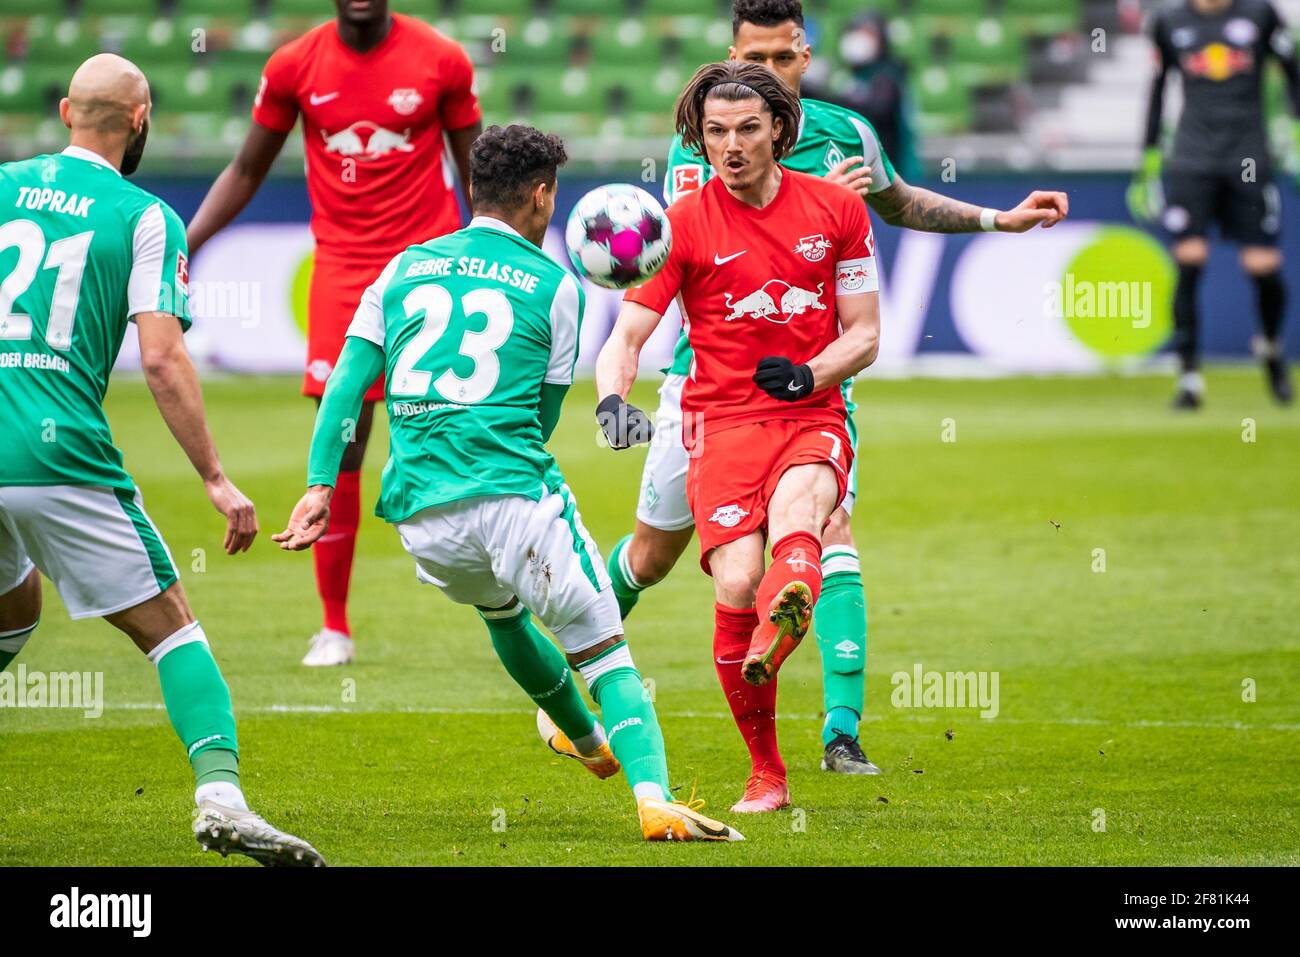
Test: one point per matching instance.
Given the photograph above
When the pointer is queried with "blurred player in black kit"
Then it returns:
(1219, 167)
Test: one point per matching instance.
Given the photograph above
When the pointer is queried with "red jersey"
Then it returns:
(373, 125)
(762, 282)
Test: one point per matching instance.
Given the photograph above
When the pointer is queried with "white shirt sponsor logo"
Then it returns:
(405, 100)
(813, 247)
(763, 304)
(367, 141)
(728, 516)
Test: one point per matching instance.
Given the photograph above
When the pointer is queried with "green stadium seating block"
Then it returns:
(160, 41)
(852, 9)
(701, 43)
(587, 8)
(33, 8)
(911, 39)
(988, 42)
(499, 88)
(539, 40)
(60, 41)
(114, 8)
(239, 10)
(631, 43)
(303, 9)
(965, 9)
(942, 98)
(654, 9)
(561, 93)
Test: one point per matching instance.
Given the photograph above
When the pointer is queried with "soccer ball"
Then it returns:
(618, 236)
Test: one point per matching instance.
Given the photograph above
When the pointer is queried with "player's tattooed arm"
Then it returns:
(902, 204)
(912, 207)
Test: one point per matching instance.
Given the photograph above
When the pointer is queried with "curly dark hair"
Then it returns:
(733, 81)
(765, 13)
(507, 162)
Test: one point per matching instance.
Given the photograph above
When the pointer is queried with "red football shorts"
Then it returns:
(335, 293)
(731, 481)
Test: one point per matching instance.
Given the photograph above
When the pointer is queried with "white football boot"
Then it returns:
(227, 830)
(329, 647)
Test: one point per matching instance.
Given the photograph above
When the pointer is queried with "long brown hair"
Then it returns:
(735, 80)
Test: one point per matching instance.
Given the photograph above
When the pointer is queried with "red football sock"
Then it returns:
(753, 708)
(797, 557)
(332, 554)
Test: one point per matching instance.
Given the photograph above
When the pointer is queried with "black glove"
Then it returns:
(624, 425)
(782, 379)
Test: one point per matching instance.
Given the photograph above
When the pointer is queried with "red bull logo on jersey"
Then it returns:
(776, 301)
(1218, 62)
(813, 248)
(367, 141)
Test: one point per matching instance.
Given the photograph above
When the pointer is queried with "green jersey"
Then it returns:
(82, 251)
(828, 135)
(471, 324)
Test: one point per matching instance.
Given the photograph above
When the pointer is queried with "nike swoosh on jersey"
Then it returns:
(719, 260)
(318, 100)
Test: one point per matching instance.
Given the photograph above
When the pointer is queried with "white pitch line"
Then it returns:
(718, 715)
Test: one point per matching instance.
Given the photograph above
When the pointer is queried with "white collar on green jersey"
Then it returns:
(491, 222)
(90, 156)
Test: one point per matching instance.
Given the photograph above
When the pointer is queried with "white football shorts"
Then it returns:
(96, 544)
(489, 550)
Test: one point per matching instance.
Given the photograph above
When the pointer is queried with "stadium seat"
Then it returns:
(302, 9)
(157, 42)
(990, 53)
(59, 42)
(238, 10)
(945, 104)
(625, 42)
(114, 8)
(911, 39)
(1044, 17)
(541, 40)
(574, 86)
(452, 8)
(851, 9)
(587, 8)
(652, 9)
(33, 8)
(655, 93)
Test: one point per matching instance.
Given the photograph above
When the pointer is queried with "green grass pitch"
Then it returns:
(1121, 691)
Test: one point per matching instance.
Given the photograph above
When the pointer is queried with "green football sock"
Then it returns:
(539, 668)
(841, 623)
(630, 721)
(11, 642)
(198, 703)
(626, 588)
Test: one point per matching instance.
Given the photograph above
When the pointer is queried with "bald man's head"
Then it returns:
(108, 104)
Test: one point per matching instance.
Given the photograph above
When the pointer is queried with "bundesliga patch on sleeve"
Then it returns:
(687, 178)
(853, 276)
(182, 274)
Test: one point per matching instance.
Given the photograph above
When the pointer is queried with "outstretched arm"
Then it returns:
(236, 185)
(359, 365)
(171, 378)
(624, 425)
(912, 207)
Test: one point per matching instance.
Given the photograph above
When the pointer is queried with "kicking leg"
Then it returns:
(332, 555)
(198, 703)
(537, 666)
(803, 500)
